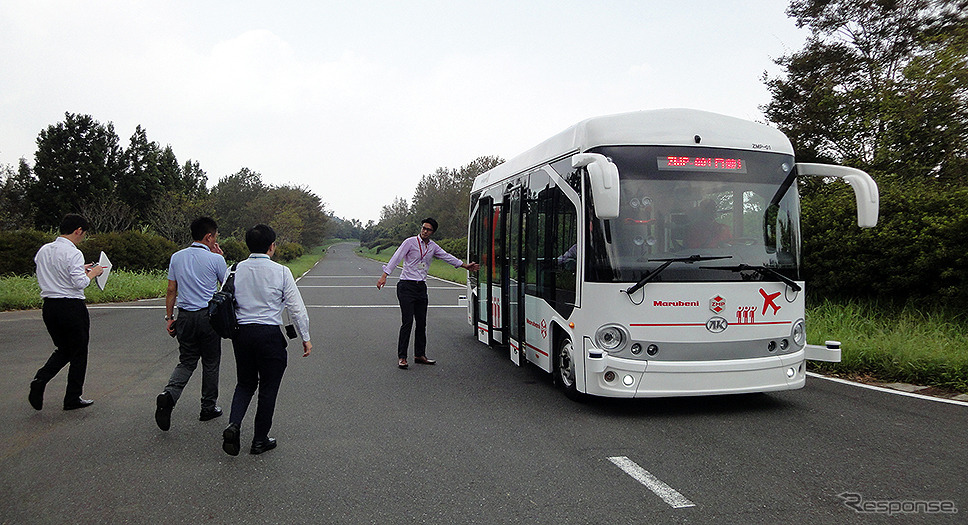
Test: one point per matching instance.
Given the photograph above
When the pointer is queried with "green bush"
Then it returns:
(289, 251)
(233, 249)
(917, 252)
(455, 247)
(130, 250)
(17, 250)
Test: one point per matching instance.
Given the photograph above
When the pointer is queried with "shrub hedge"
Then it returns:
(918, 252)
(130, 250)
(17, 250)
(289, 251)
(233, 249)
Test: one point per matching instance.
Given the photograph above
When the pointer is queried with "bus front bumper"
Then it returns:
(617, 377)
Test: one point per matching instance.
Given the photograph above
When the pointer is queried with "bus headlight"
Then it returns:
(799, 333)
(611, 337)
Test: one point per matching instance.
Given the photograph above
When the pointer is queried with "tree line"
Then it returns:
(880, 85)
(443, 195)
(80, 166)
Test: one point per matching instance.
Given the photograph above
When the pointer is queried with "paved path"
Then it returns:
(473, 439)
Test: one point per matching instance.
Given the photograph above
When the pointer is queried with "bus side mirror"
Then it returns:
(604, 181)
(865, 189)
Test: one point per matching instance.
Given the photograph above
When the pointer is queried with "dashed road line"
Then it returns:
(656, 485)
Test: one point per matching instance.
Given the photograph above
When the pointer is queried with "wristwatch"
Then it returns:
(169, 318)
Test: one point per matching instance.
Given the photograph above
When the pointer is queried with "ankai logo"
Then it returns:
(716, 325)
(717, 304)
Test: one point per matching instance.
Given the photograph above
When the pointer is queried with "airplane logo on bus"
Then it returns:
(768, 301)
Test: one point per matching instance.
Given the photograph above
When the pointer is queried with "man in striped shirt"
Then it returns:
(417, 253)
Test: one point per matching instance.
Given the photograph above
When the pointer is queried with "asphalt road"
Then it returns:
(473, 439)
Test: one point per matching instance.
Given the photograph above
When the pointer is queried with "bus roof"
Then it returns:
(660, 127)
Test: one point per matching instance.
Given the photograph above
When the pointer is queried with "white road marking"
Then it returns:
(888, 390)
(667, 493)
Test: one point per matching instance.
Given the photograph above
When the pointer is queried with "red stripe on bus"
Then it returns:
(682, 324)
(703, 324)
(540, 351)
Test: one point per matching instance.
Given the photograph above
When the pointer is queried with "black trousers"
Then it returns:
(413, 310)
(69, 326)
(197, 340)
(260, 361)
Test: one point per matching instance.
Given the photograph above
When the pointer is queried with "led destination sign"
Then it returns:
(677, 163)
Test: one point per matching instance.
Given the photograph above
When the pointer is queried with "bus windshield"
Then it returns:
(735, 213)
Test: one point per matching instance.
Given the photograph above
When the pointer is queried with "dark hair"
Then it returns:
(259, 238)
(203, 226)
(430, 221)
(72, 222)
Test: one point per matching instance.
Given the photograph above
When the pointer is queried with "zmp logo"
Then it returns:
(716, 325)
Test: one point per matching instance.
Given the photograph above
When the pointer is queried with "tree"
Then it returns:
(75, 160)
(346, 228)
(141, 181)
(876, 81)
(444, 195)
(294, 212)
(16, 211)
(230, 199)
(194, 180)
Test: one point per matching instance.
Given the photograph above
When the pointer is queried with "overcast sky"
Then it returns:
(357, 100)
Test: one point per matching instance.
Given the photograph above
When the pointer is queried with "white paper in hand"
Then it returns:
(106, 266)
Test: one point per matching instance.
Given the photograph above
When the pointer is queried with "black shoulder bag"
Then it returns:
(221, 308)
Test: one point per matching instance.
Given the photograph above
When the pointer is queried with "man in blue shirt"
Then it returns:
(262, 290)
(194, 274)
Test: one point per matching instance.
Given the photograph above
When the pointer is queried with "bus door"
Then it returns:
(514, 270)
(497, 264)
(489, 240)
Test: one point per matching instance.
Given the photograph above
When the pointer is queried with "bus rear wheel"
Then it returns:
(565, 370)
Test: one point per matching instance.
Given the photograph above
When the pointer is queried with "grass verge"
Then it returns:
(23, 293)
(438, 268)
(890, 344)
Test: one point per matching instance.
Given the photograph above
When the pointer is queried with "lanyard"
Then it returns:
(420, 247)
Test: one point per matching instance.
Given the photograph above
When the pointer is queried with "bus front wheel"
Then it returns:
(565, 370)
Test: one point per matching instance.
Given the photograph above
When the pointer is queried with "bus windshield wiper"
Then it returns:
(762, 270)
(654, 273)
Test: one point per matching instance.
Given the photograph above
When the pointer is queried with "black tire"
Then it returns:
(564, 370)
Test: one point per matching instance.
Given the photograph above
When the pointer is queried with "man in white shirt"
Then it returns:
(262, 290)
(63, 276)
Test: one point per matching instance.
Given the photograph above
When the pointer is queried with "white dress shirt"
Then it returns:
(263, 288)
(60, 270)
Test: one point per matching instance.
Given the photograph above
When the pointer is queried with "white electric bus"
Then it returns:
(653, 253)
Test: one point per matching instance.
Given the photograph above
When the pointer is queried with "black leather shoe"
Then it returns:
(259, 447)
(77, 403)
(164, 404)
(210, 413)
(230, 440)
(36, 396)
(422, 359)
